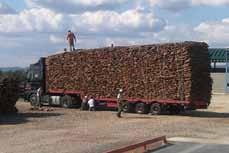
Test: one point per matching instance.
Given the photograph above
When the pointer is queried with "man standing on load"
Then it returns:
(120, 102)
(71, 40)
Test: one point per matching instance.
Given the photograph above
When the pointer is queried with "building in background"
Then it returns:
(220, 69)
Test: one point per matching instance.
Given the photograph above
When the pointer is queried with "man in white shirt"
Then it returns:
(39, 92)
(91, 103)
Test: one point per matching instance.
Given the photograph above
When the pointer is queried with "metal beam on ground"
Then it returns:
(143, 146)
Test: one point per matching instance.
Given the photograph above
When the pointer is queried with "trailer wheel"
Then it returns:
(66, 101)
(128, 108)
(155, 109)
(33, 100)
(140, 108)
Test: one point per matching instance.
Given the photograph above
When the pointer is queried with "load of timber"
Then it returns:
(9, 93)
(178, 71)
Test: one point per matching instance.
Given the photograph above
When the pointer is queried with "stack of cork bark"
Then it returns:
(178, 71)
(9, 94)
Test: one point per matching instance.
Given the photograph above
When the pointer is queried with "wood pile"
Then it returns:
(178, 71)
(9, 94)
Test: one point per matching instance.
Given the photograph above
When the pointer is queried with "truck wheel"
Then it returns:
(155, 109)
(140, 108)
(128, 108)
(66, 101)
(33, 100)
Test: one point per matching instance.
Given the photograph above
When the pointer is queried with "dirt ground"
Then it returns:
(74, 131)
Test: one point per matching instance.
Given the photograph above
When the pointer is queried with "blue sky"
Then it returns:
(16, 4)
(30, 29)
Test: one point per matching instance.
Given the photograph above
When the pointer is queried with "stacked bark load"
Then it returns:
(9, 94)
(178, 71)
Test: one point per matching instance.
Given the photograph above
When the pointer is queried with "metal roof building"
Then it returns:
(220, 69)
(218, 55)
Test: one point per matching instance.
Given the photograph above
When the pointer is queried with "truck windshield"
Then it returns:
(34, 73)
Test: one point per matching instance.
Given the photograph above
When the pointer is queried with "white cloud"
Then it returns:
(171, 5)
(210, 2)
(33, 20)
(179, 5)
(216, 33)
(126, 23)
(174, 33)
(109, 22)
(6, 9)
(76, 6)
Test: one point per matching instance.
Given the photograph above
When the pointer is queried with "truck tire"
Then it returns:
(140, 108)
(155, 109)
(66, 101)
(128, 108)
(33, 100)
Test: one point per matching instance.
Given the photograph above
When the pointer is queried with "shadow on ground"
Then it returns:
(206, 114)
(160, 148)
(20, 118)
(137, 117)
(197, 114)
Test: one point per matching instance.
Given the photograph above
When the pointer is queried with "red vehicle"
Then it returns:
(68, 98)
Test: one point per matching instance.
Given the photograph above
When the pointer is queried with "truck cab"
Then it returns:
(34, 79)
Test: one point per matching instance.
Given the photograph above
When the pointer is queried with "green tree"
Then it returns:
(19, 75)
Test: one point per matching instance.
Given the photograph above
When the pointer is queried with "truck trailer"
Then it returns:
(170, 77)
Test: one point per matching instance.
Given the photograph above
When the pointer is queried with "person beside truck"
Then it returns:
(120, 102)
(91, 103)
(38, 99)
(84, 103)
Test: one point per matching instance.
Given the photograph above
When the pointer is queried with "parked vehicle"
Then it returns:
(67, 77)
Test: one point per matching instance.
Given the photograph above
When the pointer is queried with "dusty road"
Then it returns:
(74, 131)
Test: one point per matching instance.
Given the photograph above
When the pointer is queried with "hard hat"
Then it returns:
(120, 90)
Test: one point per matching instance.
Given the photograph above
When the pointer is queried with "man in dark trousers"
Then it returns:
(84, 103)
(71, 40)
(120, 102)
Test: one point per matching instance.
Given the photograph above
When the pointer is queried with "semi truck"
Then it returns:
(170, 77)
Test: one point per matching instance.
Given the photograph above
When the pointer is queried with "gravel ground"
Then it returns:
(74, 131)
